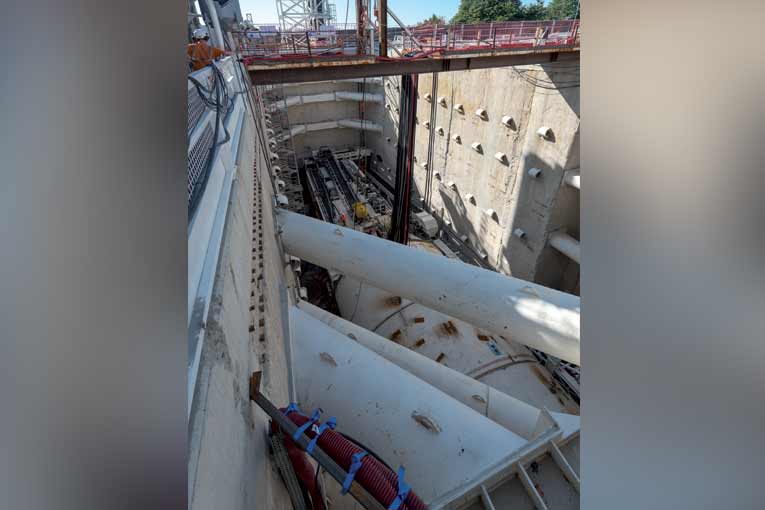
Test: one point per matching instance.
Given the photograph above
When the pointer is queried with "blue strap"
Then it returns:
(313, 419)
(403, 490)
(293, 407)
(331, 423)
(355, 465)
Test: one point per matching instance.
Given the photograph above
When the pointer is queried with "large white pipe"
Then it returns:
(364, 125)
(571, 177)
(567, 245)
(525, 312)
(442, 443)
(374, 80)
(502, 364)
(359, 96)
(510, 412)
(330, 96)
(299, 129)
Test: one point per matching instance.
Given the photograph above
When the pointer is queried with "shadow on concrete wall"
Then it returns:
(545, 204)
(455, 207)
(564, 78)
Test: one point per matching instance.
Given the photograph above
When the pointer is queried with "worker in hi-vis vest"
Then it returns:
(200, 52)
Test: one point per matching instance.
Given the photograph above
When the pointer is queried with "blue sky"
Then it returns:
(410, 11)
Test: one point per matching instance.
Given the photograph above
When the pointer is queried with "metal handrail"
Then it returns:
(341, 40)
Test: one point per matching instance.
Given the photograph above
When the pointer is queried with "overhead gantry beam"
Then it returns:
(522, 311)
(359, 67)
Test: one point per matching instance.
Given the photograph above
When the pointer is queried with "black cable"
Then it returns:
(366, 449)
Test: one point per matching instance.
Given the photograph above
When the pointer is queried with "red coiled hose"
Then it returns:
(373, 475)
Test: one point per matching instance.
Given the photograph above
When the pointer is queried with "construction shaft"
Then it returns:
(533, 315)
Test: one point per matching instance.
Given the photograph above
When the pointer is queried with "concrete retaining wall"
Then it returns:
(229, 465)
(481, 183)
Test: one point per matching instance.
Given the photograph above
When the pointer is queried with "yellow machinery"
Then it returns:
(360, 210)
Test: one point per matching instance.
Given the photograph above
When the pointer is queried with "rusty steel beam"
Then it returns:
(355, 67)
(383, 22)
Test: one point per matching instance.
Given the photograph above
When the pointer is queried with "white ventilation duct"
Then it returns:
(457, 138)
(442, 442)
(476, 146)
(427, 97)
(470, 198)
(506, 410)
(481, 112)
(501, 157)
(536, 316)
(534, 172)
(507, 120)
(376, 80)
(442, 100)
(440, 130)
(331, 96)
(364, 125)
(459, 108)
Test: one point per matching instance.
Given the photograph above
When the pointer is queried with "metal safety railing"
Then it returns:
(345, 40)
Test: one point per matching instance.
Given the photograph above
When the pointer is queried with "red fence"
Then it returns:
(417, 41)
